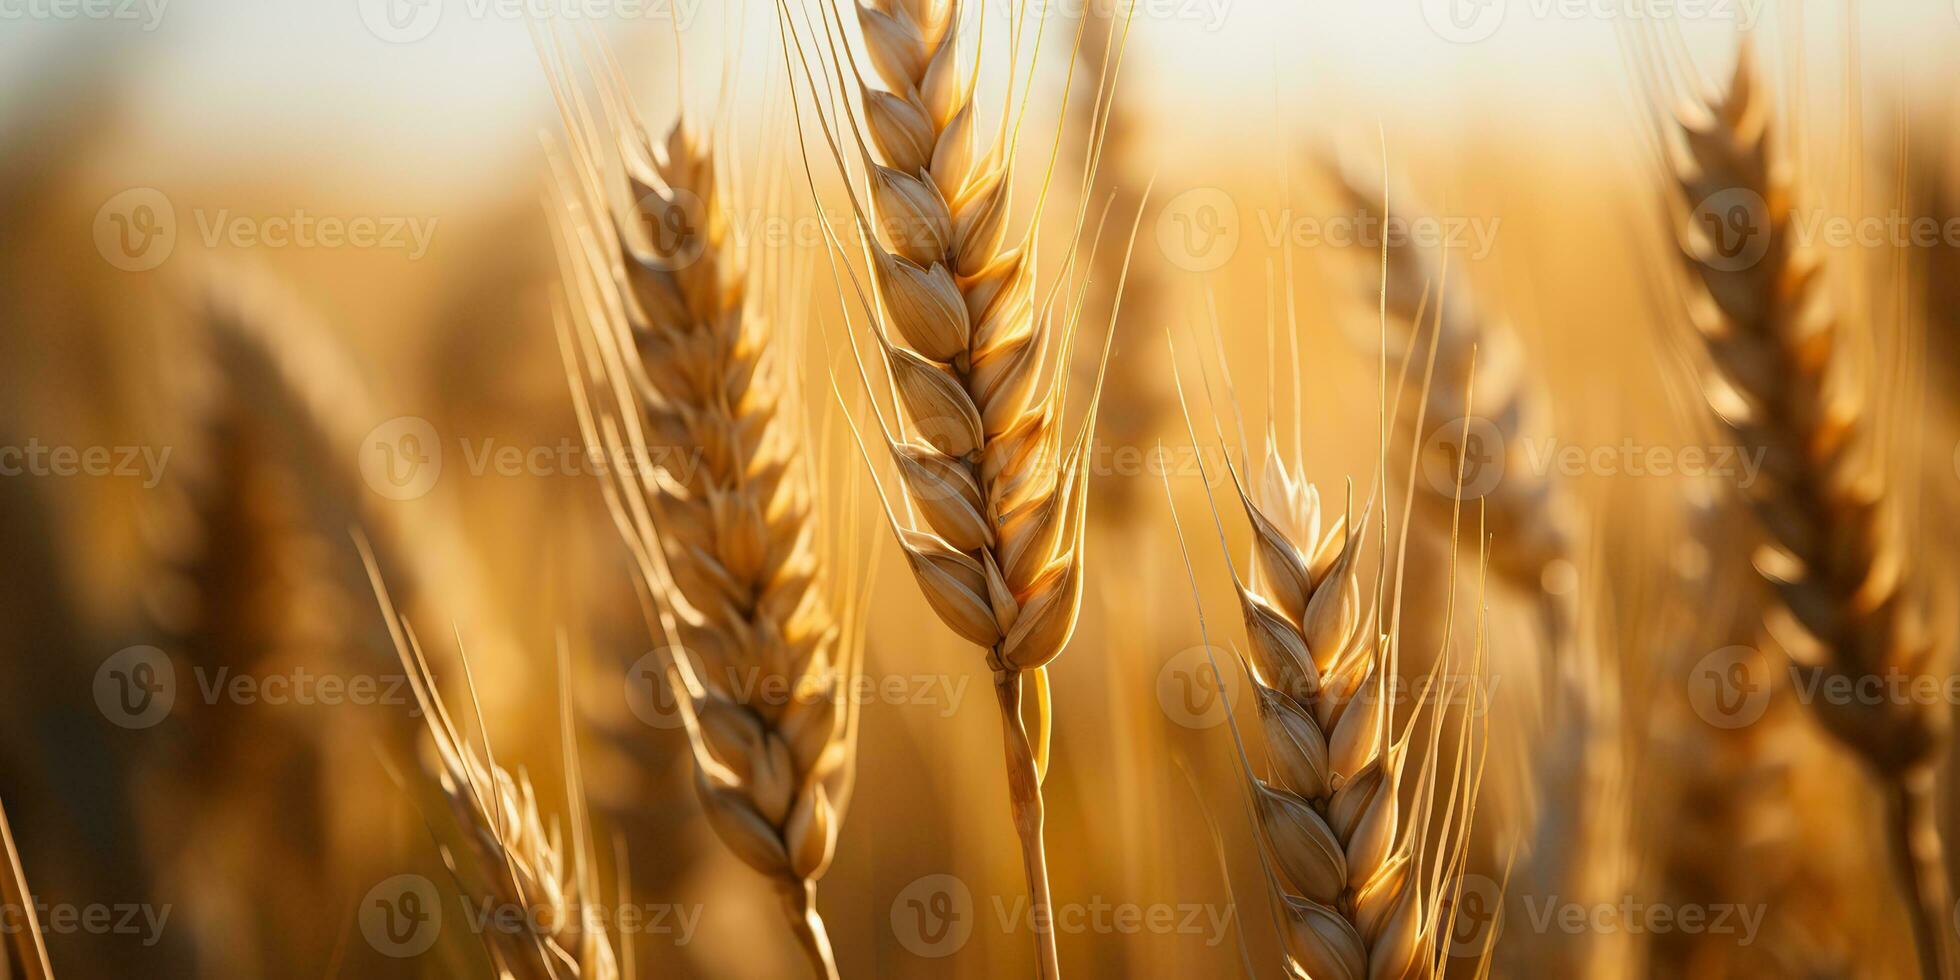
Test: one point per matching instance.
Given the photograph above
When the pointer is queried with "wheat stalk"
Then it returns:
(669, 355)
(29, 947)
(520, 863)
(1779, 384)
(978, 371)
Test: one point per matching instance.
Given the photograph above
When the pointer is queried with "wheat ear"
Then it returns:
(979, 371)
(1365, 887)
(1779, 383)
(1478, 357)
(519, 858)
(670, 357)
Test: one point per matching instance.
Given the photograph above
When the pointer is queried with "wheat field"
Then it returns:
(552, 489)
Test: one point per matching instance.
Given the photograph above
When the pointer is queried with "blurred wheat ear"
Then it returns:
(519, 862)
(1780, 380)
(673, 374)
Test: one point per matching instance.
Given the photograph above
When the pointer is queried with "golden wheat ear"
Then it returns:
(975, 356)
(670, 366)
(1779, 363)
(1359, 853)
(517, 858)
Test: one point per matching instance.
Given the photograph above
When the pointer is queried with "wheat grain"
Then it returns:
(1779, 383)
(519, 861)
(726, 539)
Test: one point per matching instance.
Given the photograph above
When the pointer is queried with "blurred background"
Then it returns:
(245, 243)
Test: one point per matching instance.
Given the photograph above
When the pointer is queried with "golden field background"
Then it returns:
(257, 828)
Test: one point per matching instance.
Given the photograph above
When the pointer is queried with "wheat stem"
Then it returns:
(28, 943)
(1024, 796)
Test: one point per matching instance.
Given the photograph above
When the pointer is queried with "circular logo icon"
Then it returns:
(1727, 687)
(1198, 230)
(1730, 230)
(648, 695)
(1191, 693)
(402, 916)
(933, 916)
(1476, 916)
(136, 687)
(401, 21)
(675, 223)
(1470, 448)
(1463, 21)
(136, 230)
(401, 458)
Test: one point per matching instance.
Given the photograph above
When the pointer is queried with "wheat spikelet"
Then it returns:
(519, 860)
(1780, 383)
(978, 372)
(726, 536)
